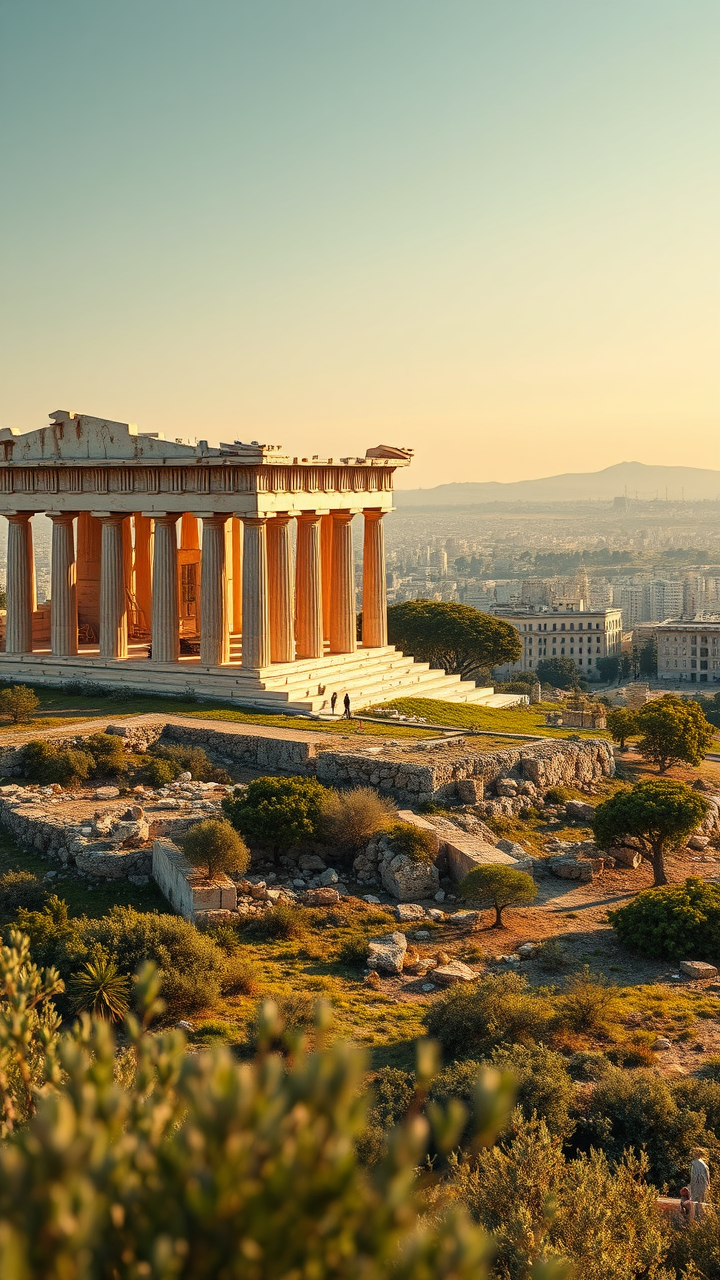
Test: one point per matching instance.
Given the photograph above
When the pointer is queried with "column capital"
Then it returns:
(373, 513)
(110, 517)
(61, 517)
(166, 517)
(255, 522)
(19, 517)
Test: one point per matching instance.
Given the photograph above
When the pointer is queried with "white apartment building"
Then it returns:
(689, 650)
(583, 635)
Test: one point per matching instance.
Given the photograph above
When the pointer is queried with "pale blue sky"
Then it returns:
(488, 230)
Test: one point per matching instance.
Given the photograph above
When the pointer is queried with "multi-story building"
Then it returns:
(689, 650)
(583, 635)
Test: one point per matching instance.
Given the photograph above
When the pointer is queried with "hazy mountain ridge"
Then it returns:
(639, 479)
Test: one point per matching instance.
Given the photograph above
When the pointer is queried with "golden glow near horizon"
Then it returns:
(482, 230)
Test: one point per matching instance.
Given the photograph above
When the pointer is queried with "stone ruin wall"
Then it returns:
(545, 764)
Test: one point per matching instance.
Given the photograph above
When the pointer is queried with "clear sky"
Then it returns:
(489, 230)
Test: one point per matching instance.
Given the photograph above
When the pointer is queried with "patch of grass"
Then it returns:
(522, 720)
(94, 899)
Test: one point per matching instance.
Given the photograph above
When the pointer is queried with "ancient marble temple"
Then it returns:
(177, 566)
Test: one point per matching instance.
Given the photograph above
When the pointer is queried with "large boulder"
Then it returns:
(447, 975)
(387, 953)
(409, 880)
(579, 811)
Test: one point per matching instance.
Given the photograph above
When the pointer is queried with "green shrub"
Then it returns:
(217, 846)
(108, 755)
(557, 795)
(498, 886)
(413, 842)
(42, 762)
(277, 813)
(638, 1110)
(354, 951)
(471, 1020)
(680, 922)
(240, 976)
(101, 989)
(551, 955)
(155, 772)
(21, 889)
(193, 760)
(588, 1002)
(281, 922)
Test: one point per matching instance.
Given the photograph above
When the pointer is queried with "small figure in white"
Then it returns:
(699, 1181)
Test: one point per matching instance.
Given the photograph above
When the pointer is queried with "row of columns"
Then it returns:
(282, 619)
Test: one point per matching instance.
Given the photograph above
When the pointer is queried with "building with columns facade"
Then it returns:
(228, 571)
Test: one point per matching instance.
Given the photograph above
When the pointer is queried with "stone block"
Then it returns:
(447, 975)
(323, 897)
(579, 811)
(463, 918)
(470, 790)
(698, 969)
(698, 843)
(408, 880)
(624, 854)
(408, 911)
(387, 953)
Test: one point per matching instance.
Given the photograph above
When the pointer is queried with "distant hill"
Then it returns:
(639, 480)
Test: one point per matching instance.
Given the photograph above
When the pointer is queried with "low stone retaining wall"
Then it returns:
(277, 755)
(544, 764)
(188, 892)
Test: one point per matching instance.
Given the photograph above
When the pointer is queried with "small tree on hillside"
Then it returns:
(659, 815)
(622, 723)
(459, 639)
(674, 730)
(217, 846)
(18, 703)
(561, 673)
(608, 667)
(278, 812)
(499, 886)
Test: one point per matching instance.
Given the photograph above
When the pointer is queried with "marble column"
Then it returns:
(20, 578)
(165, 601)
(144, 553)
(308, 588)
(214, 630)
(326, 557)
(343, 623)
(374, 625)
(237, 573)
(89, 553)
(255, 603)
(63, 587)
(113, 601)
(280, 585)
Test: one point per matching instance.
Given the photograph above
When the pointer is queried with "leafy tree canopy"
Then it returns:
(215, 845)
(559, 672)
(459, 639)
(660, 815)
(609, 667)
(622, 723)
(673, 730)
(18, 703)
(677, 922)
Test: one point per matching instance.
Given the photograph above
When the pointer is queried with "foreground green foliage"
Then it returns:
(498, 886)
(19, 703)
(197, 1167)
(678, 922)
(658, 815)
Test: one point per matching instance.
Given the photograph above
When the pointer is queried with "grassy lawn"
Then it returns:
(58, 708)
(521, 720)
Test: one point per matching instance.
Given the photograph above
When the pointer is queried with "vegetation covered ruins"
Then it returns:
(506, 913)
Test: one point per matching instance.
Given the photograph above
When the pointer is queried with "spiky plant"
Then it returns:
(100, 989)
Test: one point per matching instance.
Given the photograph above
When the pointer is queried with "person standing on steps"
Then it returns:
(333, 700)
(346, 704)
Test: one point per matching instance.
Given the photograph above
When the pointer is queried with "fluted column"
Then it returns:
(308, 588)
(113, 602)
(214, 631)
(326, 558)
(255, 603)
(343, 623)
(63, 587)
(144, 555)
(165, 603)
(237, 573)
(374, 625)
(20, 578)
(280, 587)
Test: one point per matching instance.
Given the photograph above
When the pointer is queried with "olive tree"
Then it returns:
(622, 723)
(459, 639)
(215, 845)
(659, 815)
(499, 886)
